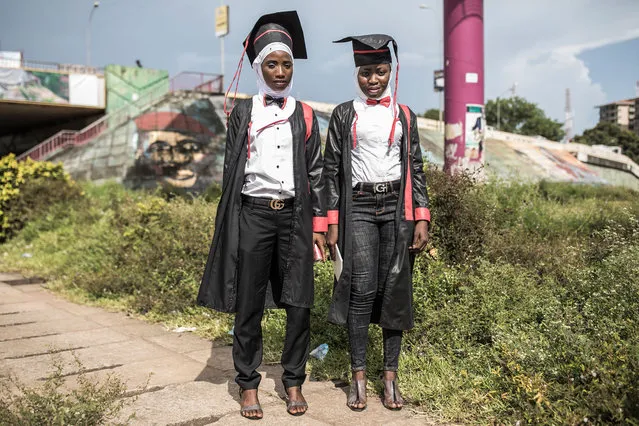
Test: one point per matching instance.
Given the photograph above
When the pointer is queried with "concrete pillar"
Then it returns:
(464, 85)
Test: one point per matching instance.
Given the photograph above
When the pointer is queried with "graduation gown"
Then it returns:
(218, 289)
(395, 311)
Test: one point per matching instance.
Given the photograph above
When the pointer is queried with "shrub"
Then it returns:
(28, 188)
(90, 403)
(528, 313)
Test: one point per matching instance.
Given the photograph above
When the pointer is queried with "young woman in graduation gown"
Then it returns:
(271, 213)
(377, 213)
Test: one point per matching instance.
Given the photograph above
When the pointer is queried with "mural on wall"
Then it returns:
(34, 86)
(179, 145)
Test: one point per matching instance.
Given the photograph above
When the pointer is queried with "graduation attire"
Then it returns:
(272, 201)
(376, 190)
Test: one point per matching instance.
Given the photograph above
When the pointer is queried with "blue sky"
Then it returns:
(546, 46)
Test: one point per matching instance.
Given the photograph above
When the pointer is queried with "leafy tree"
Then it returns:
(432, 113)
(523, 117)
(611, 134)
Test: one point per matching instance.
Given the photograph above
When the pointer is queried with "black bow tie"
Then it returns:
(268, 100)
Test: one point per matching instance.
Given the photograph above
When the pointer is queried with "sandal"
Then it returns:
(254, 407)
(295, 404)
(392, 395)
(357, 394)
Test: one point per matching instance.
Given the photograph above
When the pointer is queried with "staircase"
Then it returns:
(184, 81)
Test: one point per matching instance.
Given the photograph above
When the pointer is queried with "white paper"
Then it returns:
(338, 263)
(472, 77)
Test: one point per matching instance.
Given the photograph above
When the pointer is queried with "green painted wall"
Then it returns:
(126, 85)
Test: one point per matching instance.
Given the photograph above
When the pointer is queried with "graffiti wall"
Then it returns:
(17, 84)
(35, 86)
(180, 144)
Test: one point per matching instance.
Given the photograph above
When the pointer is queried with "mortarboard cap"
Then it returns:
(371, 49)
(284, 27)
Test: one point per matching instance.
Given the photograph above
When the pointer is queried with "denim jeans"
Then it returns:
(373, 246)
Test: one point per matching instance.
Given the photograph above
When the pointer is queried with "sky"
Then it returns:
(545, 46)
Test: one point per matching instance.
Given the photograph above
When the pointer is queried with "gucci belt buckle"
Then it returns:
(276, 204)
(381, 187)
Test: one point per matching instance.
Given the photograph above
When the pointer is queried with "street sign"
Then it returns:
(221, 21)
(438, 79)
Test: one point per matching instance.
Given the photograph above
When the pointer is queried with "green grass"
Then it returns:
(526, 309)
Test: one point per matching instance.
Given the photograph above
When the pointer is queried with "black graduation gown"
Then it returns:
(395, 311)
(218, 288)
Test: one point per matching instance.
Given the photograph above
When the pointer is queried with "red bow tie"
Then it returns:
(384, 101)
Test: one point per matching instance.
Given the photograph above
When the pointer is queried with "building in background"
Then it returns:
(622, 113)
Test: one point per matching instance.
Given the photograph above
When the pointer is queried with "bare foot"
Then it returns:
(296, 403)
(357, 395)
(250, 404)
(392, 398)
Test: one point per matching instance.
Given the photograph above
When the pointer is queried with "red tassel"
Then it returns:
(391, 138)
(236, 79)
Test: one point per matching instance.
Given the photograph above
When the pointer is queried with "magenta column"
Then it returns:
(464, 85)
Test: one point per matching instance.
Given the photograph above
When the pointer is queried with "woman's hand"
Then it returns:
(320, 241)
(420, 236)
(331, 239)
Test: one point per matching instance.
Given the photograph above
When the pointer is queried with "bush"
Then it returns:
(91, 403)
(28, 188)
(528, 313)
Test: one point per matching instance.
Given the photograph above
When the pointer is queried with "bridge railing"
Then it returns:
(193, 81)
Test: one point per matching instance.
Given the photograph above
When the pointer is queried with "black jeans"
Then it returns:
(373, 246)
(264, 244)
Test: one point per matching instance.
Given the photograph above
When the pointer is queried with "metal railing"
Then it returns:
(191, 81)
(49, 66)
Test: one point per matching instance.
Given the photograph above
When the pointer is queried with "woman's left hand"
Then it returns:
(420, 237)
(320, 241)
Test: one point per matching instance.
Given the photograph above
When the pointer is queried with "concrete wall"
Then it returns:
(126, 85)
(28, 85)
(107, 157)
(180, 142)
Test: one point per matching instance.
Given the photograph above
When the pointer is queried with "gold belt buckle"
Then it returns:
(276, 204)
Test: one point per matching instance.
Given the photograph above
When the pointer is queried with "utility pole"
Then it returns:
(465, 121)
(96, 4)
(221, 30)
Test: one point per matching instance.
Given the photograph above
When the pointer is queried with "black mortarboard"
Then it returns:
(371, 49)
(284, 27)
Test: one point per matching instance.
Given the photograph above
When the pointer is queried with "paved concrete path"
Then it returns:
(178, 378)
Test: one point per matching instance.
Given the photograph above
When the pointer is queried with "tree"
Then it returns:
(517, 115)
(432, 113)
(611, 134)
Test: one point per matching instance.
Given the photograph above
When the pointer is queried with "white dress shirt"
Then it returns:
(269, 166)
(373, 160)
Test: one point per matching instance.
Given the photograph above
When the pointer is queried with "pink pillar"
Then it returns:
(464, 85)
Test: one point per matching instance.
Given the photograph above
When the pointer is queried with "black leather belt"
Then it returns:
(378, 187)
(273, 203)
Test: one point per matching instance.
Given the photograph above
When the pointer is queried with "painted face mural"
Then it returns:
(180, 146)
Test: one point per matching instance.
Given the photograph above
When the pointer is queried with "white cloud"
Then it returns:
(538, 44)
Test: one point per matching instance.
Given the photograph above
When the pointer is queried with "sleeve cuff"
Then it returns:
(422, 213)
(320, 224)
(333, 217)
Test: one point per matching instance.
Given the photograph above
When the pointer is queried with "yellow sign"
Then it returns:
(221, 21)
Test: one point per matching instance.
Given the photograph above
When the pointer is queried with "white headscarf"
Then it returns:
(362, 95)
(262, 87)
